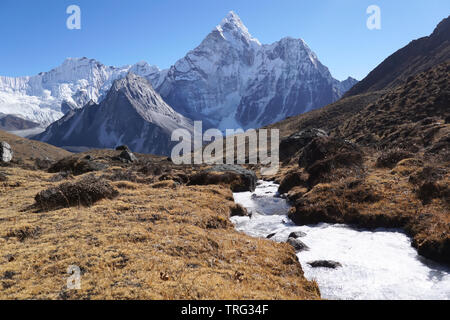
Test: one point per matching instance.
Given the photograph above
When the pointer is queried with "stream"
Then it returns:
(378, 264)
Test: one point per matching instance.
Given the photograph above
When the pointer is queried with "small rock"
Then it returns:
(127, 155)
(297, 244)
(6, 152)
(325, 264)
(271, 235)
(297, 234)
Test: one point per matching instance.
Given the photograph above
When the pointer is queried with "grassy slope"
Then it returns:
(171, 242)
(25, 149)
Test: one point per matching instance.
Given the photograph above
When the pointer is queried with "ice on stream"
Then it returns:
(379, 264)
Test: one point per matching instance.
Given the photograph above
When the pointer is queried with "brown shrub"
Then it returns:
(85, 192)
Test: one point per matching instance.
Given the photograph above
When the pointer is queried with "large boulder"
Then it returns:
(295, 142)
(6, 152)
(236, 177)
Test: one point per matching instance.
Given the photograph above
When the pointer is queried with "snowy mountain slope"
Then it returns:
(232, 80)
(75, 82)
(132, 113)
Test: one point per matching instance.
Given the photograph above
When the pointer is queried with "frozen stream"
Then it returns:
(378, 264)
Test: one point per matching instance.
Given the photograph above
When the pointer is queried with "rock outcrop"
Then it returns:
(297, 141)
(6, 152)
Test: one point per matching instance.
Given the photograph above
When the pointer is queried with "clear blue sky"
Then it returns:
(34, 37)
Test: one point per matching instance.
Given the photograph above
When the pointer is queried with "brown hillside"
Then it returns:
(413, 116)
(26, 150)
(403, 178)
(416, 57)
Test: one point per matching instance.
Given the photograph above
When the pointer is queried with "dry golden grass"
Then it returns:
(149, 243)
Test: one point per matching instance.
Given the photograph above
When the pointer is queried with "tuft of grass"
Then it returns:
(84, 192)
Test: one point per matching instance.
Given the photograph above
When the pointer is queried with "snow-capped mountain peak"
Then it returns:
(232, 28)
(232, 80)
